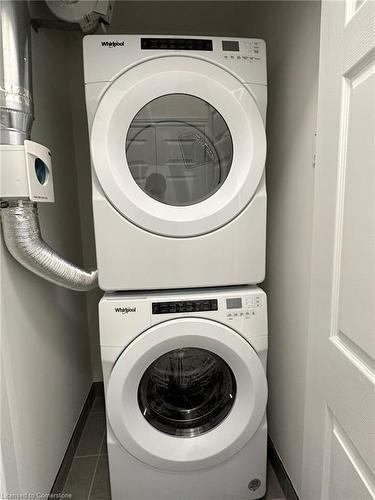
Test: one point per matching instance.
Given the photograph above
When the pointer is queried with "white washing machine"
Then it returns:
(178, 147)
(186, 393)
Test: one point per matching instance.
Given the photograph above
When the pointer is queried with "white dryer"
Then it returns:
(186, 393)
(178, 147)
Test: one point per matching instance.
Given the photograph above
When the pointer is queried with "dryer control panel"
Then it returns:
(243, 50)
(176, 44)
(231, 50)
(244, 56)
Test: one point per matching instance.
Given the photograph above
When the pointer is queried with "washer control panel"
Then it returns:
(124, 316)
(243, 307)
(232, 307)
(184, 306)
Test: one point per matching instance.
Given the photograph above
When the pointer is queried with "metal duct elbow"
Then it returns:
(23, 239)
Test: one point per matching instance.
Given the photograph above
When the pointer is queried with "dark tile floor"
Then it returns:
(88, 478)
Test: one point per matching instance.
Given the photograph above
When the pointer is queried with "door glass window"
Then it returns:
(187, 392)
(179, 149)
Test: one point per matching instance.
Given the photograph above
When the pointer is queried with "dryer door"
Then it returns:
(178, 146)
(186, 394)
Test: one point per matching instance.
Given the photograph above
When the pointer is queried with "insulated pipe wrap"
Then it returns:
(23, 239)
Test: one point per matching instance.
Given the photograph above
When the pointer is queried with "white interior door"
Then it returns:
(339, 454)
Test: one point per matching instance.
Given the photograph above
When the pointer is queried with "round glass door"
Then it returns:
(178, 146)
(179, 149)
(187, 392)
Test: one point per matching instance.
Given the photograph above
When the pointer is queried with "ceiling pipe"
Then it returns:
(16, 105)
(20, 221)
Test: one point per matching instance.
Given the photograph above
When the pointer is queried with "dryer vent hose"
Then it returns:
(24, 241)
(20, 220)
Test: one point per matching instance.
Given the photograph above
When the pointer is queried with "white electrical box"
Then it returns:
(26, 172)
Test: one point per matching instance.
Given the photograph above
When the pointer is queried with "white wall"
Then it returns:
(45, 366)
(82, 158)
(291, 31)
(293, 48)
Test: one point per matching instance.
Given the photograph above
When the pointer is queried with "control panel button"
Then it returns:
(176, 44)
(184, 306)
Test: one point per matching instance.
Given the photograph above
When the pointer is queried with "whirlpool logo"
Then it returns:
(113, 43)
(125, 310)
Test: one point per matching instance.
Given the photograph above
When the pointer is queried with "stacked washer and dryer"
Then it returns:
(178, 146)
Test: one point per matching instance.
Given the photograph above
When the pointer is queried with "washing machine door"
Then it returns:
(178, 145)
(186, 394)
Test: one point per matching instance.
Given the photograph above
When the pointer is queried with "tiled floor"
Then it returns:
(88, 478)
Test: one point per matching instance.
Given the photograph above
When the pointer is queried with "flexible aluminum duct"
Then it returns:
(20, 221)
(22, 237)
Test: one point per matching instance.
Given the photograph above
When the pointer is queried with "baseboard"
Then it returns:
(98, 389)
(281, 473)
(58, 485)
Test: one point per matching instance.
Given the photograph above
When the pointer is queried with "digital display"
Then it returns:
(183, 306)
(229, 45)
(234, 303)
(175, 44)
